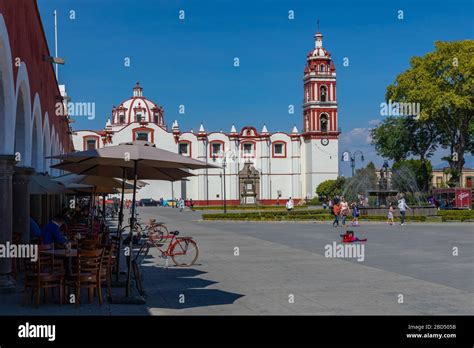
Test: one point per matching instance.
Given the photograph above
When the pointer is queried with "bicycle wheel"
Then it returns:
(162, 232)
(184, 252)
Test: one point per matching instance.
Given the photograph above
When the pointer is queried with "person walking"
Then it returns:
(336, 210)
(390, 215)
(290, 204)
(344, 211)
(355, 214)
(402, 206)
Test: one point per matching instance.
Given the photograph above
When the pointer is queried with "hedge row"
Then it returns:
(238, 207)
(283, 216)
(461, 215)
(323, 215)
(266, 216)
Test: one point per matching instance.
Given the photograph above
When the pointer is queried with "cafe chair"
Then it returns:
(42, 275)
(86, 274)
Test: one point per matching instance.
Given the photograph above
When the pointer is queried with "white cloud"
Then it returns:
(374, 122)
(356, 136)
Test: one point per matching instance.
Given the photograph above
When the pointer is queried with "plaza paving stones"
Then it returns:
(280, 260)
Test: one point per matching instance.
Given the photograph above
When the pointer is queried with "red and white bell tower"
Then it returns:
(320, 103)
(320, 119)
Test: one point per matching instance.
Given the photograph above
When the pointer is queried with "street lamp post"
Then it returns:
(224, 164)
(351, 156)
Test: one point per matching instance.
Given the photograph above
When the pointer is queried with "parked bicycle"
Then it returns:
(158, 229)
(183, 251)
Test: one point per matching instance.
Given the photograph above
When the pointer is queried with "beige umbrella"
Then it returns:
(136, 160)
(42, 184)
(154, 163)
(89, 181)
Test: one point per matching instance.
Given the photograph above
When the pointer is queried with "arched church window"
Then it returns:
(121, 118)
(139, 117)
(322, 67)
(323, 93)
(324, 123)
(155, 118)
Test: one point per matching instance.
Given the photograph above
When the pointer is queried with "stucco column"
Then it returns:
(6, 176)
(21, 202)
(35, 207)
(295, 167)
(45, 211)
(265, 169)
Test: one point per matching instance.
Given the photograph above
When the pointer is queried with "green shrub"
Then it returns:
(461, 215)
(260, 207)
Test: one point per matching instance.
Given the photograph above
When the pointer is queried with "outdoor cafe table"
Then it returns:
(63, 253)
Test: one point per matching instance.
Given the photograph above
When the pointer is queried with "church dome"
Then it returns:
(137, 109)
(319, 51)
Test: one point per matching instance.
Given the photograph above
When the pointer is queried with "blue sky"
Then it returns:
(190, 61)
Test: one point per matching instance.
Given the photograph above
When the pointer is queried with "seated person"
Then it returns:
(349, 237)
(51, 232)
(35, 230)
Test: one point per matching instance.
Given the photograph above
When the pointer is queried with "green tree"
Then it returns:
(330, 188)
(442, 83)
(398, 138)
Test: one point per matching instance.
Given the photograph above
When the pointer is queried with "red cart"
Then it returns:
(453, 198)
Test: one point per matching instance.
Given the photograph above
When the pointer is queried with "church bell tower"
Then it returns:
(320, 118)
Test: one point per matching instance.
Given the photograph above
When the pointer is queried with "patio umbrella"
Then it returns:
(42, 184)
(135, 160)
(69, 180)
(92, 184)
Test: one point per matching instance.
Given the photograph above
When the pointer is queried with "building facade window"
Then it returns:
(279, 149)
(184, 148)
(121, 118)
(156, 118)
(90, 142)
(248, 148)
(322, 67)
(216, 148)
(142, 136)
(139, 117)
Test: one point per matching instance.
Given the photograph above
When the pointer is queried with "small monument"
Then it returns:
(384, 193)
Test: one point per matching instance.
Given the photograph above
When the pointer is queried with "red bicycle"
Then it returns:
(183, 251)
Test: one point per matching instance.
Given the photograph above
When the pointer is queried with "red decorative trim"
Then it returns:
(150, 131)
(90, 137)
(204, 202)
(281, 202)
(254, 146)
(211, 154)
(247, 129)
(284, 149)
(190, 153)
(321, 135)
(236, 202)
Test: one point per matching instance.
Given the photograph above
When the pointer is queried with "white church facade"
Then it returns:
(261, 167)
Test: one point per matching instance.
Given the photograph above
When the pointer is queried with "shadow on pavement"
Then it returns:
(177, 288)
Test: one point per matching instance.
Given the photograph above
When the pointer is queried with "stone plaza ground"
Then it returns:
(281, 269)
